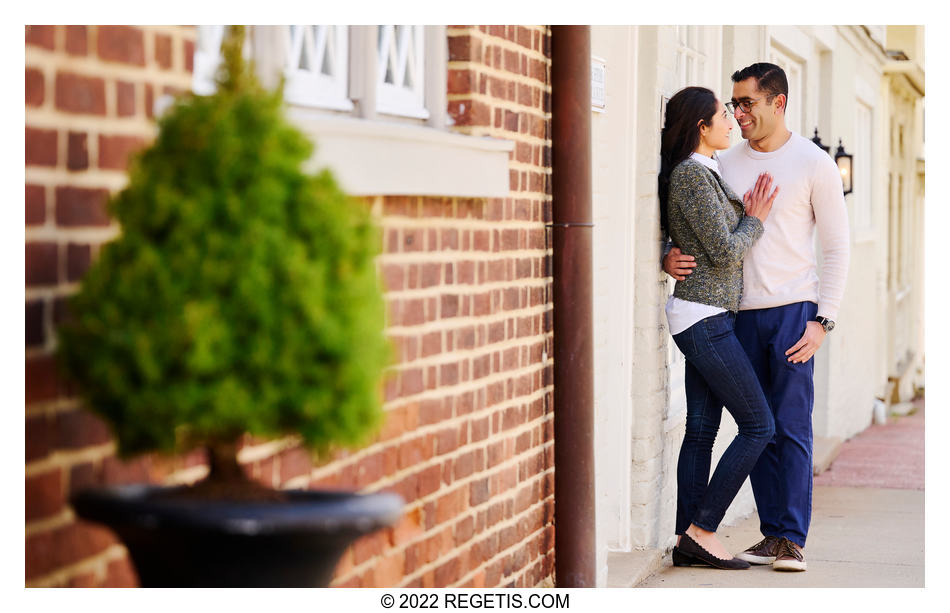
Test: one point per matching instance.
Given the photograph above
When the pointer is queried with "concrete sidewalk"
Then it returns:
(867, 525)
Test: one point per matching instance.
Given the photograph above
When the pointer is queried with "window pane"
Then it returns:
(863, 127)
(316, 66)
(400, 71)
(207, 58)
(696, 46)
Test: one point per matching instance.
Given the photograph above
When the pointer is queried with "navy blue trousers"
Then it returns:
(782, 476)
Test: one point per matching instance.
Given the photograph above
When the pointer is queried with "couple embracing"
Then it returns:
(748, 310)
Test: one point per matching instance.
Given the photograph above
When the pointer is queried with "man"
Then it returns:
(784, 313)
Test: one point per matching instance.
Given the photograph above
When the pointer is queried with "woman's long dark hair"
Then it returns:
(680, 136)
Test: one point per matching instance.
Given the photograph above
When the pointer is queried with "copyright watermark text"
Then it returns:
(475, 601)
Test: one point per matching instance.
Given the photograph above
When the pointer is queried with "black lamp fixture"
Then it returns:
(845, 167)
(817, 141)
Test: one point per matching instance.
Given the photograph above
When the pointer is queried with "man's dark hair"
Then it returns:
(769, 78)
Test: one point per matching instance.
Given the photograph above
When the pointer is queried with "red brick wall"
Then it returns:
(468, 440)
(89, 95)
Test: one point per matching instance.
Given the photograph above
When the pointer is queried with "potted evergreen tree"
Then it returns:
(241, 297)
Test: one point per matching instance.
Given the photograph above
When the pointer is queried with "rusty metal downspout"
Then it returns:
(575, 550)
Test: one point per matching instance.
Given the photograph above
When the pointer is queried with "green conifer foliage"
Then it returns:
(241, 296)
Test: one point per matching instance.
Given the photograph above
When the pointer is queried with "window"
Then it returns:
(892, 233)
(690, 56)
(373, 98)
(316, 66)
(903, 269)
(892, 133)
(334, 68)
(400, 70)
(863, 213)
(207, 58)
(794, 71)
(697, 56)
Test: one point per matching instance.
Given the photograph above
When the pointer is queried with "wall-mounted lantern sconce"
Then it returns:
(817, 141)
(846, 167)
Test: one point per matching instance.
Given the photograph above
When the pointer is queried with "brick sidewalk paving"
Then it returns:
(884, 456)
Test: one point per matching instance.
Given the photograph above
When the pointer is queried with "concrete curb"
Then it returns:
(628, 569)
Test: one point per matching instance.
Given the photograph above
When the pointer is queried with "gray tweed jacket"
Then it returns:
(707, 220)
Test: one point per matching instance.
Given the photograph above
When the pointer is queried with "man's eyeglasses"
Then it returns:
(745, 105)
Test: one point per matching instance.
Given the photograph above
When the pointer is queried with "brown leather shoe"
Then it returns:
(789, 557)
(762, 552)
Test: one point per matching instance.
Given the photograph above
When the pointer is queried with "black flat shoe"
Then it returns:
(691, 553)
(681, 559)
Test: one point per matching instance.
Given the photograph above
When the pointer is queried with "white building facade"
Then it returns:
(843, 83)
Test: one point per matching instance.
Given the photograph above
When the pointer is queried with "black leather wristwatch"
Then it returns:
(826, 323)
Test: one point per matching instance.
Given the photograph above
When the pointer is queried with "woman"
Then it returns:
(705, 218)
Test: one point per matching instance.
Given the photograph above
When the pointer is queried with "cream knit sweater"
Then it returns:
(781, 267)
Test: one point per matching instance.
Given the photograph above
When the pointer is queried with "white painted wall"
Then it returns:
(613, 217)
(654, 436)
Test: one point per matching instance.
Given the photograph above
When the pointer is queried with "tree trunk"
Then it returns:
(223, 464)
(226, 479)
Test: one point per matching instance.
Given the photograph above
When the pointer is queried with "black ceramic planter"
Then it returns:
(201, 543)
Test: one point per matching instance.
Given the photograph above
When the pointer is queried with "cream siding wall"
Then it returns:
(904, 207)
(845, 399)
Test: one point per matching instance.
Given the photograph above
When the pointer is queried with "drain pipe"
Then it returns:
(575, 547)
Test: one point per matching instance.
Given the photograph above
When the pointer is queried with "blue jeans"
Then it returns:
(718, 373)
(782, 477)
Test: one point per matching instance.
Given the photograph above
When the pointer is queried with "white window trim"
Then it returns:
(370, 156)
(386, 158)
